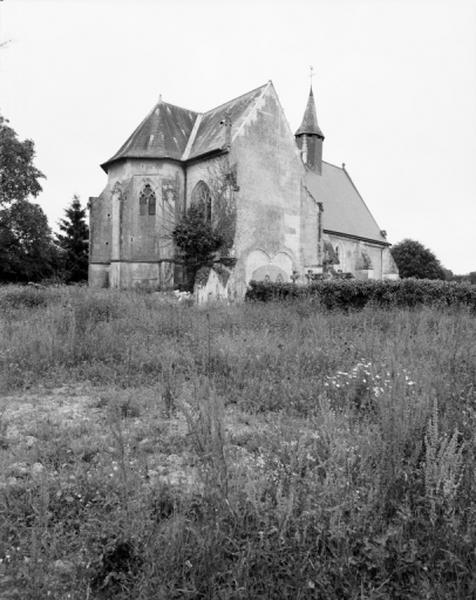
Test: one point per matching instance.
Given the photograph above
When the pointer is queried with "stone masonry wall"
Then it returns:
(140, 241)
(269, 199)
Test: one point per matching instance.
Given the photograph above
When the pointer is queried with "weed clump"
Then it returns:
(117, 570)
(18, 297)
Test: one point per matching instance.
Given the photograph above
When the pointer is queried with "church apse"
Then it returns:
(135, 217)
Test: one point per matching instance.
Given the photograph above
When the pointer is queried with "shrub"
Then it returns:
(354, 294)
(24, 297)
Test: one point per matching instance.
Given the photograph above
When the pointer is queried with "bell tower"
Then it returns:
(309, 137)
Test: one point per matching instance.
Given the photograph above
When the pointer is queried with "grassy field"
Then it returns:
(152, 450)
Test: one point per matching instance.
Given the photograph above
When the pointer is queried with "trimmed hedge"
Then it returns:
(355, 294)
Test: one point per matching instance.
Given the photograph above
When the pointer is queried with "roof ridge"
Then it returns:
(236, 98)
(193, 135)
(175, 122)
(175, 106)
(333, 165)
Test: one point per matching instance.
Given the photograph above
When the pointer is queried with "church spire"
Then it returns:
(309, 121)
(309, 136)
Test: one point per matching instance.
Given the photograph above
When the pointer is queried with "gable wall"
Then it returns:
(269, 173)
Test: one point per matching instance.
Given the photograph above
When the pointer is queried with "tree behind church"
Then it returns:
(415, 260)
(18, 175)
(73, 241)
(27, 252)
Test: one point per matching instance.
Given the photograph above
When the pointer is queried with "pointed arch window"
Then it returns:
(147, 201)
(202, 198)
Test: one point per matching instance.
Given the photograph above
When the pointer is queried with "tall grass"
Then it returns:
(328, 455)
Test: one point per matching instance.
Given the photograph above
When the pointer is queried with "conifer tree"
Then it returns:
(73, 242)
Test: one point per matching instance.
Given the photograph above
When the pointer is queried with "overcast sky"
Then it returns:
(395, 86)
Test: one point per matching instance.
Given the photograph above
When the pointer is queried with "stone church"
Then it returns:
(286, 213)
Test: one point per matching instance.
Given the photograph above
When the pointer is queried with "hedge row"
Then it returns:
(351, 294)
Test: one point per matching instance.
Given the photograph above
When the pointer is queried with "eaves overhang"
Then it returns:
(356, 237)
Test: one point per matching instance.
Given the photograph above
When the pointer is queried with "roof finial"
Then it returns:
(311, 74)
(160, 98)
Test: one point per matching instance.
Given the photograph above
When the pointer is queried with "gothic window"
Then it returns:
(142, 205)
(202, 198)
(337, 253)
(152, 204)
(147, 202)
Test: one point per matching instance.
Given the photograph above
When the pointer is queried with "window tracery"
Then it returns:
(147, 201)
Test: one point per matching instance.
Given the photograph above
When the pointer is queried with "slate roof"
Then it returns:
(170, 131)
(164, 133)
(210, 134)
(309, 123)
(344, 208)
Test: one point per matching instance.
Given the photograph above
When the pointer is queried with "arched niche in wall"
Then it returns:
(269, 273)
(262, 267)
